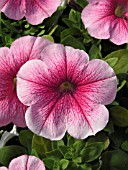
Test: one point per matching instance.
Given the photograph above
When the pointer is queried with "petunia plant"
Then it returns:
(63, 84)
(34, 11)
(25, 162)
(107, 19)
(66, 92)
(21, 50)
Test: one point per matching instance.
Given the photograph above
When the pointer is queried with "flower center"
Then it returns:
(120, 10)
(14, 83)
(66, 86)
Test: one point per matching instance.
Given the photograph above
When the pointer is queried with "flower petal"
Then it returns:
(97, 17)
(7, 73)
(14, 9)
(10, 108)
(119, 27)
(34, 83)
(3, 168)
(76, 62)
(26, 162)
(86, 118)
(20, 109)
(48, 120)
(96, 11)
(99, 83)
(7, 112)
(55, 60)
(27, 48)
(37, 11)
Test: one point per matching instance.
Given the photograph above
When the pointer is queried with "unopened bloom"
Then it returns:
(35, 11)
(25, 162)
(21, 50)
(66, 92)
(107, 19)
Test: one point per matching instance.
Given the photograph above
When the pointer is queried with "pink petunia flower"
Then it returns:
(35, 11)
(21, 50)
(66, 92)
(25, 162)
(107, 19)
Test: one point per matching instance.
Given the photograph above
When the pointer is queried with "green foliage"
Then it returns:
(7, 153)
(119, 116)
(82, 3)
(92, 151)
(76, 43)
(108, 149)
(116, 159)
(118, 61)
(25, 138)
(41, 145)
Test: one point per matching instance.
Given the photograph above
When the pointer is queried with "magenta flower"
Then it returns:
(35, 11)
(66, 92)
(107, 19)
(25, 162)
(21, 50)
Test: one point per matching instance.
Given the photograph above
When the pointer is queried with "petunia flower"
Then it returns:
(35, 11)
(25, 162)
(107, 19)
(66, 92)
(21, 50)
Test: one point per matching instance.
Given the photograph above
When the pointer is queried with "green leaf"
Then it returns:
(63, 149)
(119, 60)
(34, 153)
(82, 3)
(64, 163)
(56, 144)
(94, 52)
(49, 37)
(41, 145)
(78, 145)
(119, 116)
(69, 155)
(48, 163)
(110, 127)
(25, 138)
(55, 155)
(118, 137)
(7, 153)
(75, 166)
(116, 159)
(124, 145)
(56, 165)
(77, 159)
(70, 140)
(92, 151)
(75, 16)
(69, 31)
(121, 85)
(99, 137)
(73, 42)
(112, 61)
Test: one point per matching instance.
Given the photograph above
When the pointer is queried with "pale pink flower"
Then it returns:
(35, 11)
(25, 162)
(107, 19)
(21, 50)
(66, 92)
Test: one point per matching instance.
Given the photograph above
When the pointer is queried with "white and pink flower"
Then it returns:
(107, 19)
(66, 92)
(21, 50)
(25, 162)
(35, 11)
